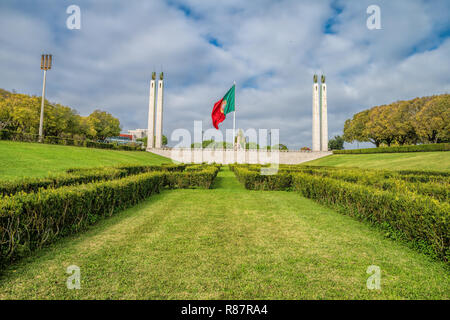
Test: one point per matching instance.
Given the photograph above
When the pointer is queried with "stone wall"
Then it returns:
(241, 156)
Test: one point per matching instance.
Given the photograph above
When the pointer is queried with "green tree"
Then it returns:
(379, 128)
(104, 124)
(61, 121)
(336, 144)
(280, 147)
(433, 121)
(356, 129)
(26, 113)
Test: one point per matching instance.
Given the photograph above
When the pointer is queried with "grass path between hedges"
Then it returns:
(227, 243)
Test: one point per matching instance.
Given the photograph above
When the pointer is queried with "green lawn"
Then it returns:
(413, 160)
(21, 159)
(227, 243)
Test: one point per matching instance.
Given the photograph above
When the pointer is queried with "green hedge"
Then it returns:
(425, 173)
(134, 168)
(389, 180)
(398, 149)
(66, 179)
(419, 219)
(252, 180)
(28, 137)
(30, 221)
(192, 179)
(76, 176)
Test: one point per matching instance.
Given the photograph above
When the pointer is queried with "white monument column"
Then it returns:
(159, 112)
(151, 113)
(315, 117)
(324, 117)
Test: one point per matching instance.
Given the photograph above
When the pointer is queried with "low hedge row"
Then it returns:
(424, 178)
(424, 173)
(419, 219)
(253, 180)
(81, 175)
(29, 221)
(399, 149)
(28, 137)
(138, 168)
(192, 179)
(65, 179)
(388, 180)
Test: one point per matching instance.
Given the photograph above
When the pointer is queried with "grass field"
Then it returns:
(413, 160)
(227, 243)
(21, 159)
(223, 243)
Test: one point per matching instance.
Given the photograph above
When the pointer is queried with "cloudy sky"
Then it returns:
(270, 48)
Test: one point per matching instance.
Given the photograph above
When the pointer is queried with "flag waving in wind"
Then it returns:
(223, 107)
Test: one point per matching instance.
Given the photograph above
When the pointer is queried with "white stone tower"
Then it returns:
(324, 116)
(151, 113)
(159, 112)
(315, 117)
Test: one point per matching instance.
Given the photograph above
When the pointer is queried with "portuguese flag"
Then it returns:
(223, 107)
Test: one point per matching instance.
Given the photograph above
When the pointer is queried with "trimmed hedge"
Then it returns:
(28, 137)
(425, 173)
(66, 179)
(30, 221)
(138, 168)
(419, 219)
(399, 149)
(192, 179)
(389, 180)
(252, 180)
(76, 176)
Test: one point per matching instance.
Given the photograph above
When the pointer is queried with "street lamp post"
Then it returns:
(46, 64)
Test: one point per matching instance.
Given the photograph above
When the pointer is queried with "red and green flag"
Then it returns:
(223, 107)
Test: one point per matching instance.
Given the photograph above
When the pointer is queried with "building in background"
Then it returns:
(138, 133)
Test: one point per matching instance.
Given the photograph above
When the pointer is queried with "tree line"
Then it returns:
(21, 113)
(420, 120)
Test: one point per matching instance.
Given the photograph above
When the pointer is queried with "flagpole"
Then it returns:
(234, 117)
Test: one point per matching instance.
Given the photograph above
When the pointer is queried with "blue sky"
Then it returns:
(270, 48)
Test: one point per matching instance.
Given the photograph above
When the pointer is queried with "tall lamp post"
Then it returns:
(46, 64)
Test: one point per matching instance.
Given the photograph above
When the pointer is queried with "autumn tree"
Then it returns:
(433, 121)
(21, 113)
(104, 124)
(423, 119)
